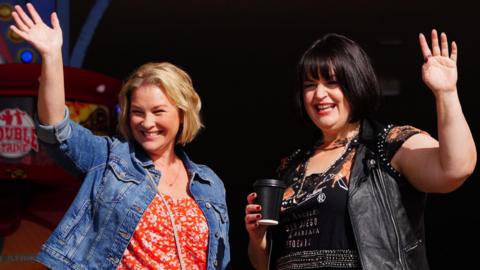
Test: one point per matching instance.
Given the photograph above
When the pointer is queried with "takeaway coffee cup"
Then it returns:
(269, 196)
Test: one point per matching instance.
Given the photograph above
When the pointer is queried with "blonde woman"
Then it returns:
(143, 203)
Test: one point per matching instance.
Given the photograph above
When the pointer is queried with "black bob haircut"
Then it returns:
(352, 69)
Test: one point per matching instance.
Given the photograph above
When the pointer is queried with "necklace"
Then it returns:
(300, 180)
(172, 182)
(172, 222)
(333, 145)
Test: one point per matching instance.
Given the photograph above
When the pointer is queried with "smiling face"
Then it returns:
(354, 97)
(154, 119)
(325, 104)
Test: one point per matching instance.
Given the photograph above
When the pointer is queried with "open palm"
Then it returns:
(439, 72)
(35, 31)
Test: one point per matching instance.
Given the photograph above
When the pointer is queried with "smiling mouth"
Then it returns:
(151, 134)
(324, 107)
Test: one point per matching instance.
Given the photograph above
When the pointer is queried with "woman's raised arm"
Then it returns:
(48, 41)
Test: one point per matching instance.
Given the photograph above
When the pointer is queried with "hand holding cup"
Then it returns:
(269, 197)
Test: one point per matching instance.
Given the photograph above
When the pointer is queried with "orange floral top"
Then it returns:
(153, 245)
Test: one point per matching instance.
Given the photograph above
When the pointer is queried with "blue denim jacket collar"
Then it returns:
(141, 157)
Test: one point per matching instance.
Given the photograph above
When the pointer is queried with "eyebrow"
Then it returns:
(133, 106)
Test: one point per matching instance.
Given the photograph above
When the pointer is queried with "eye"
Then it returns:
(332, 83)
(309, 86)
(158, 112)
(136, 112)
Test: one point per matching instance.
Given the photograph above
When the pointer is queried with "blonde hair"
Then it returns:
(178, 87)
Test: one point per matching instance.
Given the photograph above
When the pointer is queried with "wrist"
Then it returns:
(49, 57)
(256, 240)
(447, 94)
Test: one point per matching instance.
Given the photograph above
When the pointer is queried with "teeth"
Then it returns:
(323, 107)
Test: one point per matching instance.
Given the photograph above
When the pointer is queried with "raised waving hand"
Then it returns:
(451, 159)
(32, 29)
(439, 72)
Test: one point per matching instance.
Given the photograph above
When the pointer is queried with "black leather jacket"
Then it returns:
(385, 210)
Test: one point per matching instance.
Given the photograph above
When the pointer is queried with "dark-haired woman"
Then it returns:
(355, 199)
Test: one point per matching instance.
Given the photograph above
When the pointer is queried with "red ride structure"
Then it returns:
(35, 192)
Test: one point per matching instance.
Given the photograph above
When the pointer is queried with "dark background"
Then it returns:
(242, 54)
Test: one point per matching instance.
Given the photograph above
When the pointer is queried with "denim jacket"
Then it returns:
(115, 193)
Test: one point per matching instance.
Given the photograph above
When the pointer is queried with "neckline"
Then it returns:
(174, 200)
(339, 142)
(300, 178)
(351, 142)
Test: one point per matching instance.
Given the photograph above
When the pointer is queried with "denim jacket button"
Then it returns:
(208, 205)
(215, 263)
(217, 234)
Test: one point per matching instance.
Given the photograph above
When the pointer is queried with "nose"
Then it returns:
(320, 91)
(148, 122)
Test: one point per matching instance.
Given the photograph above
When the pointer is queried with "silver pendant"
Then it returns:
(321, 197)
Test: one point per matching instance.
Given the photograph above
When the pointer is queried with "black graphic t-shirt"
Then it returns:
(315, 230)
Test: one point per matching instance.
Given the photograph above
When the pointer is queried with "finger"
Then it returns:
(252, 208)
(19, 32)
(26, 20)
(20, 25)
(424, 46)
(251, 197)
(34, 14)
(252, 218)
(444, 44)
(435, 45)
(251, 226)
(454, 54)
(55, 21)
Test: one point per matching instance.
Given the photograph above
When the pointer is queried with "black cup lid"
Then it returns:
(270, 183)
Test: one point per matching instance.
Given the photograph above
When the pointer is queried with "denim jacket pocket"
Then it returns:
(221, 210)
(116, 181)
(120, 171)
(68, 230)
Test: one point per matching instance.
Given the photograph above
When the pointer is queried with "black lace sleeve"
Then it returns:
(396, 136)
